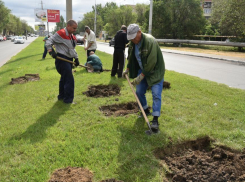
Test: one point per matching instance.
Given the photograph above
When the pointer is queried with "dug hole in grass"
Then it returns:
(39, 134)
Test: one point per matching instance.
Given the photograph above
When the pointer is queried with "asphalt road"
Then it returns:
(8, 49)
(231, 74)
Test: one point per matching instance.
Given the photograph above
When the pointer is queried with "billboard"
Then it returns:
(40, 15)
(40, 27)
(53, 15)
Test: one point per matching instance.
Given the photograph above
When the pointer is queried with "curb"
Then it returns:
(206, 56)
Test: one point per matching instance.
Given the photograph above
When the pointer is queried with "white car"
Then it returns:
(13, 37)
(1, 38)
(19, 40)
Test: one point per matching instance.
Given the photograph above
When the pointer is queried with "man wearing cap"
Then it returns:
(118, 55)
(146, 66)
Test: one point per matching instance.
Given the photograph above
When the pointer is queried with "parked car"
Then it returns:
(79, 39)
(9, 37)
(12, 38)
(1, 38)
(19, 39)
(4, 38)
(112, 42)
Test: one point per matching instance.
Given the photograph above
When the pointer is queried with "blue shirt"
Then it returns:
(138, 53)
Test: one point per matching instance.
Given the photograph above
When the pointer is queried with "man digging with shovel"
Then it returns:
(146, 65)
(65, 43)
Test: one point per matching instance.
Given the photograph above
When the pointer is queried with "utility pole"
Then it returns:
(68, 10)
(95, 20)
(41, 4)
(150, 17)
(46, 17)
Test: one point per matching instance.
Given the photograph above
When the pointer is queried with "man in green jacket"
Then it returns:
(95, 61)
(146, 66)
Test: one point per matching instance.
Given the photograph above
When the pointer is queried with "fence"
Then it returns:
(219, 43)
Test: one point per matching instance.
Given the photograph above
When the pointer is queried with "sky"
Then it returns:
(24, 9)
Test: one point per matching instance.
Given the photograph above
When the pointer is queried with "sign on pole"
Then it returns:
(53, 15)
(40, 15)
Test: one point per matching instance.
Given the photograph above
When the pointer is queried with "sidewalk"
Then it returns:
(212, 56)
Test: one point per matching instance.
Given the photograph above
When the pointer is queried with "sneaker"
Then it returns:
(154, 125)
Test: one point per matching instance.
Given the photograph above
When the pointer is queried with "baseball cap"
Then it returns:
(132, 31)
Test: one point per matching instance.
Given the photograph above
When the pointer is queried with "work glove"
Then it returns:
(138, 79)
(125, 73)
(53, 53)
(76, 62)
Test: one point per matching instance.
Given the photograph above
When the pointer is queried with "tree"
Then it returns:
(229, 15)
(176, 19)
(102, 11)
(11, 25)
(115, 18)
(141, 9)
(4, 15)
(186, 18)
(161, 24)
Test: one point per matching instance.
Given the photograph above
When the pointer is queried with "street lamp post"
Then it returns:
(150, 17)
(95, 19)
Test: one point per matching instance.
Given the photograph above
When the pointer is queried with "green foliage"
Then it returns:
(4, 15)
(141, 9)
(209, 30)
(186, 18)
(229, 15)
(115, 18)
(176, 19)
(102, 11)
(11, 24)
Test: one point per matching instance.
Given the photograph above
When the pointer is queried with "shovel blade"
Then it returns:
(90, 68)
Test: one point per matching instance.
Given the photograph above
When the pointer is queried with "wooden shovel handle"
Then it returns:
(141, 108)
(63, 59)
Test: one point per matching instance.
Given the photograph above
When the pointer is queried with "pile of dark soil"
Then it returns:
(197, 161)
(71, 174)
(24, 79)
(102, 90)
(120, 109)
(166, 85)
(75, 174)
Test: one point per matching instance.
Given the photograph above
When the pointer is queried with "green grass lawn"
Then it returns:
(39, 134)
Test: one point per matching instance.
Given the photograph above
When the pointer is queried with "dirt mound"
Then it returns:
(102, 90)
(120, 109)
(166, 85)
(72, 174)
(197, 161)
(24, 79)
(75, 174)
(110, 180)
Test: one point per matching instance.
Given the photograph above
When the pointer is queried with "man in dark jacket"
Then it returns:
(146, 65)
(118, 55)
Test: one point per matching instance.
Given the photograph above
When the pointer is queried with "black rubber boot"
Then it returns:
(154, 125)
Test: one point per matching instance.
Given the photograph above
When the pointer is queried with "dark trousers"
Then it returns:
(118, 63)
(88, 51)
(45, 52)
(66, 85)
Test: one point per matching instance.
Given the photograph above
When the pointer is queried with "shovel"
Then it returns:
(89, 68)
(148, 132)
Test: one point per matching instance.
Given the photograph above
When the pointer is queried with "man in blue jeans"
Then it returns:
(146, 66)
